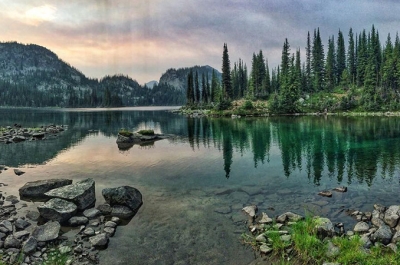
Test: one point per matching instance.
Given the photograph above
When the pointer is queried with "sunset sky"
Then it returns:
(143, 38)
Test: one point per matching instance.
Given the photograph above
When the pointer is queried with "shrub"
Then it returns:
(146, 132)
(125, 133)
(248, 105)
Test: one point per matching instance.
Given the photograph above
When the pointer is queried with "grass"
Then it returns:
(146, 132)
(125, 133)
(306, 247)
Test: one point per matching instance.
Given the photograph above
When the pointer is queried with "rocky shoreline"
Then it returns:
(66, 224)
(17, 133)
(379, 227)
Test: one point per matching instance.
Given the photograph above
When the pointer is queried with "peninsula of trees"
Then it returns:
(362, 76)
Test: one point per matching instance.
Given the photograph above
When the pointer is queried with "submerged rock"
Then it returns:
(251, 210)
(325, 193)
(18, 172)
(122, 211)
(37, 189)
(81, 193)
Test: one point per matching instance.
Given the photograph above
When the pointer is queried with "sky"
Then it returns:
(144, 38)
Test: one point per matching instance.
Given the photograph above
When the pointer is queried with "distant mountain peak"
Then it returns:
(151, 84)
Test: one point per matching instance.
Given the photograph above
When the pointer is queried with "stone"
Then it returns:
(32, 215)
(110, 224)
(361, 227)
(250, 210)
(21, 234)
(332, 250)
(109, 231)
(122, 211)
(293, 217)
(21, 224)
(18, 172)
(265, 249)
(29, 246)
(18, 138)
(13, 199)
(11, 242)
(37, 189)
(324, 227)
(380, 208)
(382, 235)
(340, 189)
(82, 193)
(124, 195)
(89, 231)
(396, 237)
(366, 241)
(48, 231)
(391, 217)
(105, 209)
(100, 240)
(286, 238)
(115, 219)
(393, 247)
(57, 210)
(64, 249)
(261, 238)
(377, 217)
(91, 213)
(7, 225)
(265, 219)
(78, 220)
(325, 193)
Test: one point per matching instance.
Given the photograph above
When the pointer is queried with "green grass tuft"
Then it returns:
(125, 133)
(146, 132)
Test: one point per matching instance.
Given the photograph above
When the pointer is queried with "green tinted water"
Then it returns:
(195, 184)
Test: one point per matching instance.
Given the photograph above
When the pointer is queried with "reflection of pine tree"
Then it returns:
(227, 154)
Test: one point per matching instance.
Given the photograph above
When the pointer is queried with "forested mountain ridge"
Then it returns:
(178, 77)
(33, 76)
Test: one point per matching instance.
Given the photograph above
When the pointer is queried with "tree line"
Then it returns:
(365, 73)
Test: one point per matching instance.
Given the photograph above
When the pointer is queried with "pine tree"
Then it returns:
(215, 91)
(340, 58)
(330, 66)
(285, 62)
(204, 93)
(317, 62)
(308, 64)
(197, 87)
(226, 75)
(190, 88)
(351, 58)
(387, 65)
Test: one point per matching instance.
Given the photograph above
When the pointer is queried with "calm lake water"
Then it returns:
(195, 184)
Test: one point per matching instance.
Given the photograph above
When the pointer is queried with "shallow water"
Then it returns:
(195, 184)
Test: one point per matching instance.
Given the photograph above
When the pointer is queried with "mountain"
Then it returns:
(33, 76)
(151, 84)
(177, 78)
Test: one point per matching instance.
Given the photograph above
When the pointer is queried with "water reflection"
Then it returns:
(348, 149)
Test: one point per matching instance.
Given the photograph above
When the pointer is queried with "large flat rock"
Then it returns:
(57, 210)
(37, 189)
(82, 193)
(47, 232)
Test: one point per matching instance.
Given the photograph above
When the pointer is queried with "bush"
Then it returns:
(223, 105)
(146, 132)
(125, 133)
(248, 105)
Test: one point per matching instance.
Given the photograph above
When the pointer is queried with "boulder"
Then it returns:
(361, 227)
(82, 193)
(105, 209)
(57, 210)
(382, 235)
(18, 138)
(124, 139)
(109, 231)
(21, 224)
(37, 189)
(324, 227)
(47, 232)
(124, 195)
(392, 215)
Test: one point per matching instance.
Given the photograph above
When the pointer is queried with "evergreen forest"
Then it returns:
(360, 74)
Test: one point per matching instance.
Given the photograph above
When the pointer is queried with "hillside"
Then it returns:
(177, 78)
(33, 76)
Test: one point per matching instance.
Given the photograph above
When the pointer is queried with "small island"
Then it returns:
(127, 139)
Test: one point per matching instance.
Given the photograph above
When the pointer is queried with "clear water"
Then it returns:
(195, 184)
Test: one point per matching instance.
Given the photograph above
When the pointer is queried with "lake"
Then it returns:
(195, 184)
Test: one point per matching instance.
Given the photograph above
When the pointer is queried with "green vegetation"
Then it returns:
(125, 133)
(146, 132)
(362, 77)
(307, 247)
(57, 257)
